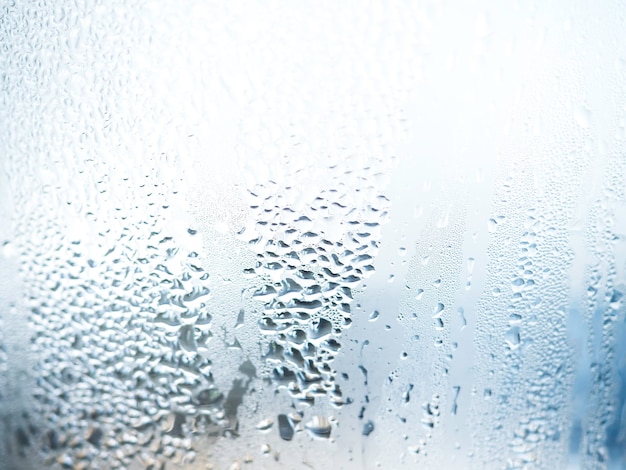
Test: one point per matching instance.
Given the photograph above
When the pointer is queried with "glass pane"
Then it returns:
(312, 235)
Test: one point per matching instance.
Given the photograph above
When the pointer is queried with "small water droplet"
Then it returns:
(265, 424)
(438, 309)
(513, 338)
(319, 426)
(240, 318)
(470, 265)
(374, 315)
(8, 250)
(187, 339)
(285, 430)
(368, 428)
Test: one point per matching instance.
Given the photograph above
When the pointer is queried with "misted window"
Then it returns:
(312, 235)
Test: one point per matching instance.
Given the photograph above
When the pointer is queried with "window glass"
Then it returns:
(312, 235)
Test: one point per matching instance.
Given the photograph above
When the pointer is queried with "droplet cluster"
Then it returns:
(315, 242)
(120, 333)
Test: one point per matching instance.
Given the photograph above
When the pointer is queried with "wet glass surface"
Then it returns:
(312, 235)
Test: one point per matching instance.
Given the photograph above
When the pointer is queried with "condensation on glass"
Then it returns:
(312, 235)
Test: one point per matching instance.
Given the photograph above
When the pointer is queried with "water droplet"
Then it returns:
(8, 250)
(513, 337)
(187, 339)
(265, 424)
(438, 309)
(285, 429)
(470, 265)
(319, 426)
(240, 318)
(319, 328)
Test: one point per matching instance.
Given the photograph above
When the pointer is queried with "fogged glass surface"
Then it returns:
(294, 235)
